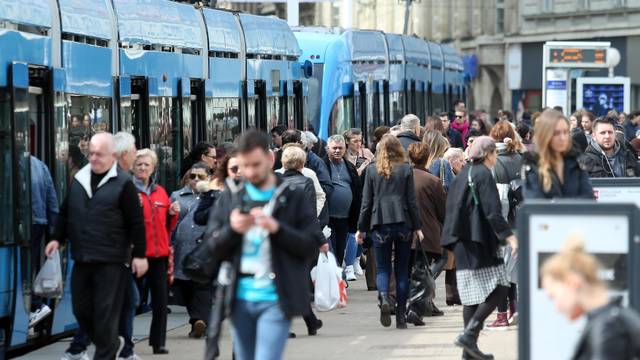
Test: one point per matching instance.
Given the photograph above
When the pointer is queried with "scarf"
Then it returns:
(463, 129)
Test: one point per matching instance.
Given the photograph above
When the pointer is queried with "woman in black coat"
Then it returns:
(474, 229)
(554, 172)
(390, 211)
(571, 279)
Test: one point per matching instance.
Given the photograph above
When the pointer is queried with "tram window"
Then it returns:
(87, 115)
(397, 107)
(420, 106)
(161, 129)
(223, 123)
(314, 84)
(273, 112)
(6, 180)
(251, 112)
(291, 112)
(341, 115)
(438, 103)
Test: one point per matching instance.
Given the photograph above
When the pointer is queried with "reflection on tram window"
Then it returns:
(161, 130)
(223, 120)
(273, 112)
(341, 115)
(87, 115)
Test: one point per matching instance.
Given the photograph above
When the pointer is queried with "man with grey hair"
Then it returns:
(102, 219)
(344, 201)
(125, 145)
(409, 131)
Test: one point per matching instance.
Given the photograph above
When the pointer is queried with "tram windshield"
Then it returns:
(315, 96)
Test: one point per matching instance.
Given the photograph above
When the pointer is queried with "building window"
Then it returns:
(499, 16)
(584, 4)
(619, 3)
(547, 5)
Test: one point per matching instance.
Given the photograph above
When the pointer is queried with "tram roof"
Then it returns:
(26, 12)
(268, 36)
(366, 45)
(396, 48)
(435, 54)
(86, 17)
(416, 50)
(452, 59)
(158, 22)
(223, 30)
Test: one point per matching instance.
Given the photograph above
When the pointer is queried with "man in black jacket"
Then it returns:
(344, 201)
(102, 218)
(606, 156)
(409, 131)
(266, 228)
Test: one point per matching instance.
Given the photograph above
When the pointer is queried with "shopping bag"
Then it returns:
(343, 294)
(48, 283)
(422, 287)
(326, 276)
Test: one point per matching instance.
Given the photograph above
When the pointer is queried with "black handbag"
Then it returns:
(422, 288)
(199, 265)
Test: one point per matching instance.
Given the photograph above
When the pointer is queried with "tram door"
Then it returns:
(134, 111)
(260, 90)
(37, 128)
(298, 106)
(198, 117)
(361, 107)
(386, 105)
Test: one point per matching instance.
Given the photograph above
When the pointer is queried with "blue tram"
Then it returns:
(171, 74)
(174, 75)
(368, 78)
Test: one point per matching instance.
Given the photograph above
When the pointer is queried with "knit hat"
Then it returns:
(481, 147)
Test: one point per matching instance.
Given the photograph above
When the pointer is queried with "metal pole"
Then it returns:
(293, 12)
(407, 12)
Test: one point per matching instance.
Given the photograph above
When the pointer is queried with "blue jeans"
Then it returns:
(352, 250)
(259, 329)
(128, 314)
(386, 239)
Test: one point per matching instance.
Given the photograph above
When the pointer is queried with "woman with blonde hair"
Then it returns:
(390, 211)
(571, 280)
(436, 164)
(554, 171)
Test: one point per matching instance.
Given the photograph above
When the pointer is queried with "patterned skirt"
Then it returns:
(474, 286)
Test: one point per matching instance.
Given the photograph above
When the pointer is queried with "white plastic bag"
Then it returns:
(48, 283)
(326, 276)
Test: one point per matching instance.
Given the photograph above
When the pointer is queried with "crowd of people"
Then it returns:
(448, 190)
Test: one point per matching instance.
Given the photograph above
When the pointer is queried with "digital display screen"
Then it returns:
(600, 98)
(577, 56)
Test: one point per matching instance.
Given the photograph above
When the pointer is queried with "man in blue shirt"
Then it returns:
(268, 231)
(44, 211)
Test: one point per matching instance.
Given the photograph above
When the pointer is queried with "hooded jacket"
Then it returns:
(623, 163)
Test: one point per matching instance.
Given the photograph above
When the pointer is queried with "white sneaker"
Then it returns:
(357, 269)
(81, 356)
(349, 273)
(39, 315)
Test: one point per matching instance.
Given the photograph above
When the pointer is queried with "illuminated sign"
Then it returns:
(574, 56)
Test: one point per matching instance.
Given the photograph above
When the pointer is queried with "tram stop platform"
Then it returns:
(352, 333)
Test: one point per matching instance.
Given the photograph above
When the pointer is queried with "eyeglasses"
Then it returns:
(198, 176)
(459, 116)
(234, 169)
(211, 156)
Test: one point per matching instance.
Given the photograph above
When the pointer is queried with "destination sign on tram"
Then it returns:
(574, 56)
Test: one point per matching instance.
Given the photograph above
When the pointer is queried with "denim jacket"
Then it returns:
(44, 202)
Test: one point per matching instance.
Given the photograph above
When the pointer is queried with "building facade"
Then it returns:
(502, 39)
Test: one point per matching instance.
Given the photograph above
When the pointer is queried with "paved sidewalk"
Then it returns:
(352, 333)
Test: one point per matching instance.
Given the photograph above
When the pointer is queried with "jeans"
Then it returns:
(259, 329)
(387, 238)
(352, 250)
(127, 315)
(339, 237)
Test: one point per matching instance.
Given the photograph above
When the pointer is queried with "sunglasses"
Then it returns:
(198, 176)
(459, 116)
(234, 169)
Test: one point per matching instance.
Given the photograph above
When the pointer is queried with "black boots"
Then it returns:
(414, 318)
(401, 320)
(385, 309)
(468, 340)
